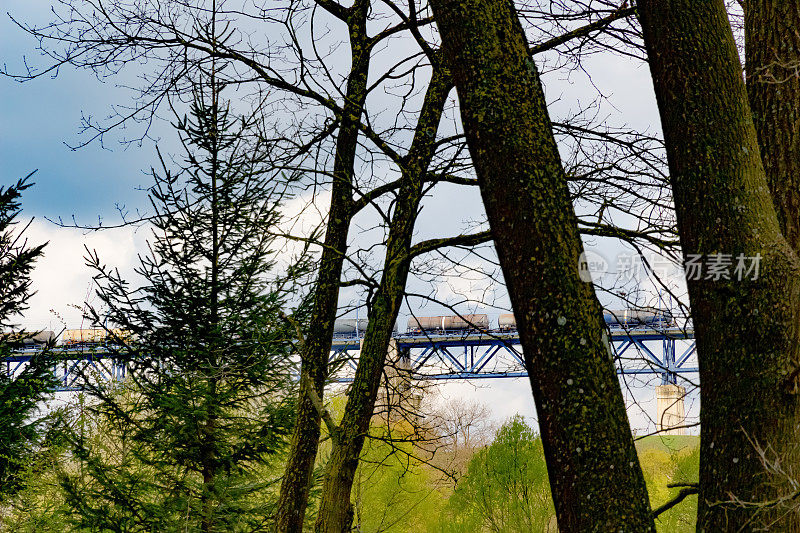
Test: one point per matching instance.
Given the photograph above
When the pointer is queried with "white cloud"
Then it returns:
(301, 216)
(61, 279)
(63, 282)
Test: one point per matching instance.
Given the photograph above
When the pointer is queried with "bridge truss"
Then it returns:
(75, 365)
(666, 353)
(637, 351)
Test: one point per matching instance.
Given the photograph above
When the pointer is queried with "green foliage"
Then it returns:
(39, 506)
(666, 460)
(21, 425)
(506, 486)
(44, 504)
(208, 402)
(16, 258)
(392, 491)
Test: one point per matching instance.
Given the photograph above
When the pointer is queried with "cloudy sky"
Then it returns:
(41, 120)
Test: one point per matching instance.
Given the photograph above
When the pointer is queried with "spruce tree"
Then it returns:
(184, 444)
(21, 393)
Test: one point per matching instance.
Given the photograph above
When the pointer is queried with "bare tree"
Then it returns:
(746, 326)
(581, 411)
(314, 76)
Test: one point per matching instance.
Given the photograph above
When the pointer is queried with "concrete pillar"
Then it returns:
(671, 412)
(398, 396)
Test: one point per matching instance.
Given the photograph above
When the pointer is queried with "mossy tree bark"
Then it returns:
(772, 62)
(297, 478)
(336, 511)
(595, 477)
(746, 329)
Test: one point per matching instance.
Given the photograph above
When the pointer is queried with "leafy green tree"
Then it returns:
(21, 395)
(670, 464)
(394, 492)
(506, 486)
(207, 400)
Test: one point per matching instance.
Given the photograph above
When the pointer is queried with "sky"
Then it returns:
(40, 121)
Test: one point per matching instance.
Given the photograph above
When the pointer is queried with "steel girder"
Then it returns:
(499, 355)
(474, 355)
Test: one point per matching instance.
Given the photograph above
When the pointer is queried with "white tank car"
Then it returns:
(349, 327)
(28, 339)
(646, 316)
(448, 323)
(507, 322)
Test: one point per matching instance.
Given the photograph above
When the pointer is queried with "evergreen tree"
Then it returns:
(206, 403)
(21, 394)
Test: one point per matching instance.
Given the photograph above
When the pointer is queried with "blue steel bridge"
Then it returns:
(643, 350)
(458, 355)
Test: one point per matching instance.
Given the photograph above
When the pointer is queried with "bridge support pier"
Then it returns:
(399, 398)
(671, 413)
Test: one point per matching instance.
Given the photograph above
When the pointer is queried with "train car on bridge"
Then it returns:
(70, 338)
(28, 341)
(348, 328)
(448, 323)
(644, 316)
(507, 322)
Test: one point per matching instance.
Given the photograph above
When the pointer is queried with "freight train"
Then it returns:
(350, 328)
(68, 338)
(624, 318)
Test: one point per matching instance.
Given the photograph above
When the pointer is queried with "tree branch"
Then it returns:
(461, 240)
(450, 178)
(334, 8)
(682, 495)
(605, 230)
(368, 197)
(583, 31)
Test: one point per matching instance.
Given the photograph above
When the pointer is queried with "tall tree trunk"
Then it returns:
(297, 478)
(336, 511)
(772, 61)
(595, 477)
(209, 462)
(746, 330)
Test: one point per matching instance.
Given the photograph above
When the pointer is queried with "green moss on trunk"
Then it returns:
(772, 58)
(296, 483)
(746, 329)
(595, 478)
(336, 514)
